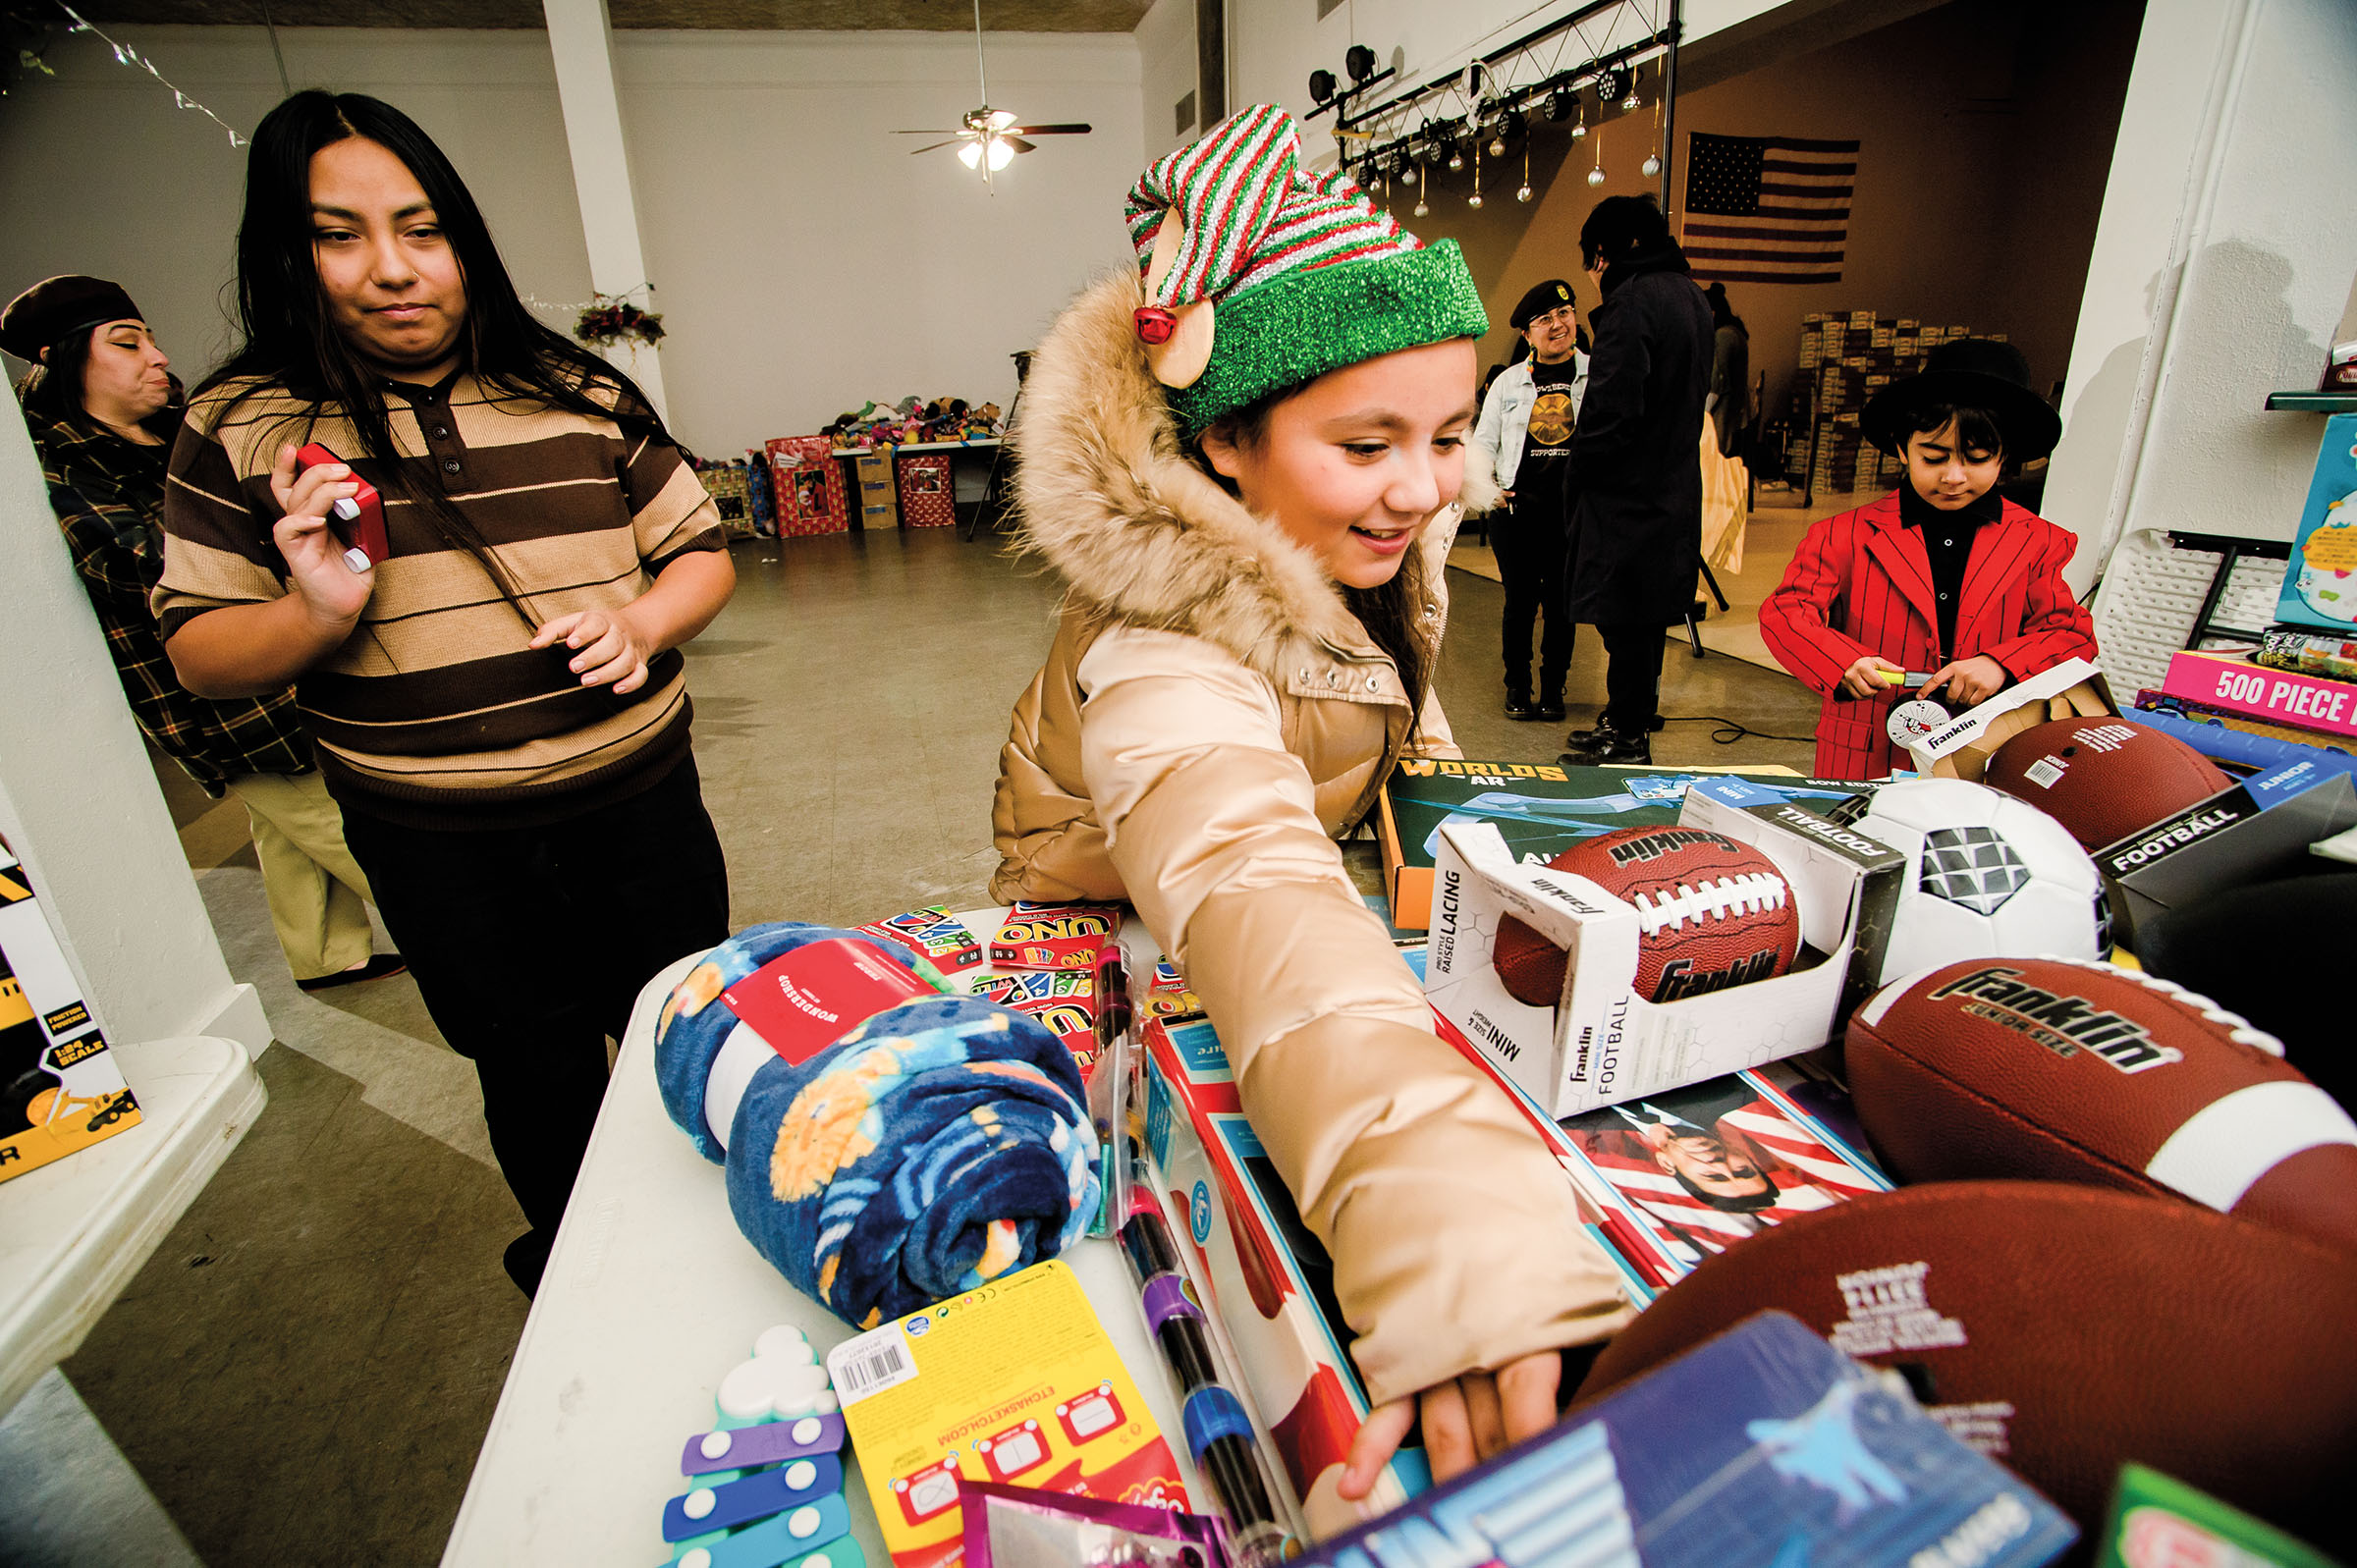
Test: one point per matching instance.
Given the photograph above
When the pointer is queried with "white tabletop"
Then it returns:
(651, 1296)
(72, 1232)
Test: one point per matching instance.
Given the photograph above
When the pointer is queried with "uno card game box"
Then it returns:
(1540, 810)
(1762, 1448)
(1066, 938)
(1015, 1384)
(61, 1089)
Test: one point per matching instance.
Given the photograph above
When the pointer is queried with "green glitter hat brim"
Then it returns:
(1296, 327)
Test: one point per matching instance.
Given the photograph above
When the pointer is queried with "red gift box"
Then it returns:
(928, 495)
(809, 486)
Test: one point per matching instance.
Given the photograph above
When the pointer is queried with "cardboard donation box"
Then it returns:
(2255, 831)
(1961, 748)
(879, 506)
(928, 498)
(809, 486)
(1602, 1043)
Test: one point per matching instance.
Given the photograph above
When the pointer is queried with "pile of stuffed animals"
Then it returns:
(912, 420)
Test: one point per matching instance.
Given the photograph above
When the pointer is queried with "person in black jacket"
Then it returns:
(1637, 526)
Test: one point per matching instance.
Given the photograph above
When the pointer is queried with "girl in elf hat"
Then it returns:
(1247, 460)
(1942, 576)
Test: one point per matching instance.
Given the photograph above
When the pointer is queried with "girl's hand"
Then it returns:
(1971, 682)
(1860, 681)
(332, 593)
(613, 650)
(1466, 1419)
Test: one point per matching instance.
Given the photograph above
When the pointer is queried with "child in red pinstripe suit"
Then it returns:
(1943, 574)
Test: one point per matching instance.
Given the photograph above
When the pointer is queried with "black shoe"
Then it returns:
(381, 967)
(1594, 749)
(1594, 736)
(1551, 709)
(1518, 706)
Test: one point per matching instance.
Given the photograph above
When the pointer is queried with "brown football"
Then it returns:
(2103, 778)
(2060, 1069)
(2066, 1330)
(1712, 912)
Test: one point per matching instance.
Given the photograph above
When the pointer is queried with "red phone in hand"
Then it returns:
(358, 521)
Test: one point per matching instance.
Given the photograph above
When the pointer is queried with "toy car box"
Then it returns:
(1602, 1043)
(1269, 1282)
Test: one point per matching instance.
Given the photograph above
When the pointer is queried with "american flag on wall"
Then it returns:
(1768, 209)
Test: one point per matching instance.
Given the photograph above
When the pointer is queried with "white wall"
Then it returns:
(2222, 262)
(808, 262)
(106, 177)
(1165, 72)
(803, 262)
(79, 802)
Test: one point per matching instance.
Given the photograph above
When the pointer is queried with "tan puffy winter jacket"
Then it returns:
(1210, 718)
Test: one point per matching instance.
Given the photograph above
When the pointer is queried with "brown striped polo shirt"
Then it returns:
(435, 712)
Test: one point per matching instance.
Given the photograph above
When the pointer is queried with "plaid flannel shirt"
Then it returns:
(108, 494)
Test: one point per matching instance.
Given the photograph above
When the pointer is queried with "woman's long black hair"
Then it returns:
(291, 341)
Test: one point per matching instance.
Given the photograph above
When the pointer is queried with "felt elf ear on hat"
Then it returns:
(1261, 276)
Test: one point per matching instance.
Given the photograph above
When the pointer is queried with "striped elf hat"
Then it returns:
(1261, 274)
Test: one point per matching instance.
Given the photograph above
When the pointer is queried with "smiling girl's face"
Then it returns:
(1354, 464)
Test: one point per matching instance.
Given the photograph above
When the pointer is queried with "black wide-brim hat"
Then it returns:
(1969, 373)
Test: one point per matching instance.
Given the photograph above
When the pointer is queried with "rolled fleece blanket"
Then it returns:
(941, 1144)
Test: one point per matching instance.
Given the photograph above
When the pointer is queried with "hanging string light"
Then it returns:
(1579, 127)
(1475, 200)
(126, 55)
(1423, 207)
(1595, 174)
(1633, 100)
(1652, 166)
(1525, 195)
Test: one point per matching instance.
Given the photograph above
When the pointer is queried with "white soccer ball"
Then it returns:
(1987, 877)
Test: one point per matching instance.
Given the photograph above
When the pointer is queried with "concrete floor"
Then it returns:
(305, 1369)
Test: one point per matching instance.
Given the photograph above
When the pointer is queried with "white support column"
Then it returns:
(79, 801)
(581, 40)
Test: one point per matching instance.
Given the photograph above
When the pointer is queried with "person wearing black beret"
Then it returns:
(1524, 434)
(103, 409)
(1943, 576)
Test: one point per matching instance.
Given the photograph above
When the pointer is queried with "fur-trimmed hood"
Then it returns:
(1138, 531)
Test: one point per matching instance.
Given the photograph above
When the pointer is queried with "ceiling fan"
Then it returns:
(990, 138)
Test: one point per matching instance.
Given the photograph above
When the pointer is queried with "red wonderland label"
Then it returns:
(805, 1001)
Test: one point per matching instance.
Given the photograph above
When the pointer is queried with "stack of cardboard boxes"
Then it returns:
(1844, 360)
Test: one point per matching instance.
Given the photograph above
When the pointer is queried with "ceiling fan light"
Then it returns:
(970, 155)
(1001, 155)
(1001, 118)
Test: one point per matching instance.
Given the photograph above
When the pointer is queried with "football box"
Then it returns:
(2255, 831)
(1602, 1043)
(1540, 809)
(1764, 1447)
(1961, 748)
